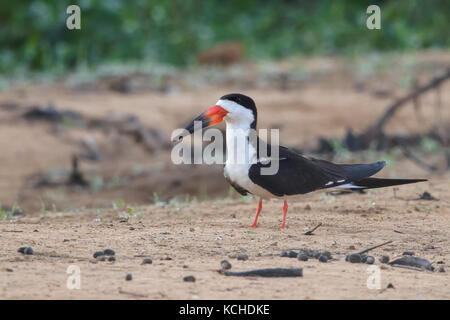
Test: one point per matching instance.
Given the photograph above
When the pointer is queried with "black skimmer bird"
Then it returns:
(297, 174)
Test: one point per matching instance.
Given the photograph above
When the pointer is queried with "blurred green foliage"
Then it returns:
(33, 34)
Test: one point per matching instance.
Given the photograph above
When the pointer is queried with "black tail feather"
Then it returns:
(371, 183)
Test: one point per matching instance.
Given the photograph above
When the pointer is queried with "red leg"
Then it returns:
(258, 211)
(285, 208)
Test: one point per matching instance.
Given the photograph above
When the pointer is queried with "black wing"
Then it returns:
(298, 174)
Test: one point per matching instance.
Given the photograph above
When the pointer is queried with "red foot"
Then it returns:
(258, 211)
(285, 208)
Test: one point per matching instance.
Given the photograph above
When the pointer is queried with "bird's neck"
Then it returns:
(241, 143)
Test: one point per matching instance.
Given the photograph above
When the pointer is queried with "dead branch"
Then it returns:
(376, 131)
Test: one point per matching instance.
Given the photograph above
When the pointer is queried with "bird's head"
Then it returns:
(234, 108)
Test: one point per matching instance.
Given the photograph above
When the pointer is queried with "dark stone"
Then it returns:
(354, 258)
(129, 277)
(29, 250)
(413, 262)
(242, 257)
(147, 261)
(226, 265)
(441, 269)
(292, 254)
(100, 258)
(303, 257)
(370, 260)
(283, 254)
(98, 253)
(112, 259)
(189, 279)
(323, 258)
(408, 253)
(21, 249)
(384, 259)
(390, 286)
(109, 252)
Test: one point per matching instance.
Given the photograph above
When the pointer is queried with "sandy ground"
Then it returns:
(192, 238)
(66, 225)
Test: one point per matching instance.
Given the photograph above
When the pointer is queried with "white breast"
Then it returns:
(240, 156)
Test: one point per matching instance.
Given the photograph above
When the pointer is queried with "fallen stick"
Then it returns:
(268, 273)
(374, 247)
(392, 109)
(310, 232)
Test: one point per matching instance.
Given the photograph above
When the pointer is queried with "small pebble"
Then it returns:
(390, 286)
(316, 254)
(370, 260)
(327, 254)
(303, 257)
(189, 279)
(21, 249)
(112, 259)
(354, 258)
(323, 258)
(363, 258)
(109, 252)
(100, 258)
(408, 253)
(242, 257)
(98, 253)
(147, 261)
(292, 254)
(441, 269)
(440, 262)
(129, 277)
(29, 250)
(282, 254)
(226, 265)
(384, 259)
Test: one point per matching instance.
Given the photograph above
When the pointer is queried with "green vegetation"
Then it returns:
(9, 214)
(33, 34)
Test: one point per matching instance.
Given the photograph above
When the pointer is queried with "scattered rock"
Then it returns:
(316, 254)
(413, 262)
(98, 253)
(284, 254)
(354, 258)
(327, 254)
(384, 259)
(29, 250)
(21, 249)
(112, 259)
(408, 253)
(189, 279)
(147, 261)
(323, 258)
(292, 254)
(363, 258)
(225, 264)
(441, 269)
(390, 286)
(100, 258)
(129, 277)
(303, 257)
(109, 252)
(242, 257)
(370, 260)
